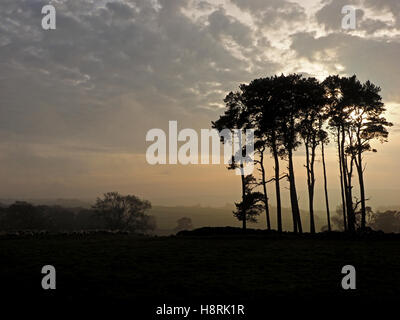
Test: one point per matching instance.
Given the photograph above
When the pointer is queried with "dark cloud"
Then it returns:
(389, 6)
(222, 24)
(370, 26)
(203, 5)
(273, 13)
(151, 52)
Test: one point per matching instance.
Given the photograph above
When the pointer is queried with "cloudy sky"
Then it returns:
(76, 102)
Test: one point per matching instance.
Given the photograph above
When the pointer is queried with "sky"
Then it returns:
(76, 102)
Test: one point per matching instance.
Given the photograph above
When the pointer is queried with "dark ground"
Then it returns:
(263, 272)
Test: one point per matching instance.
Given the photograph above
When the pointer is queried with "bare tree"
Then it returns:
(124, 212)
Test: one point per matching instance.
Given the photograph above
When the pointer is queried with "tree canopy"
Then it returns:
(288, 111)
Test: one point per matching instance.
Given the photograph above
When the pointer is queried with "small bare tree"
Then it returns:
(124, 212)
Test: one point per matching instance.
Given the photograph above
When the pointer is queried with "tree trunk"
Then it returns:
(264, 183)
(297, 227)
(342, 181)
(243, 196)
(352, 217)
(277, 190)
(362, 190)
(328, 215)
(310, 187)
(347, 186)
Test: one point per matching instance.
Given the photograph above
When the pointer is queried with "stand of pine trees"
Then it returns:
(287, 112)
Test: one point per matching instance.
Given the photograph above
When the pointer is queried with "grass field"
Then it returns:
(130, 269)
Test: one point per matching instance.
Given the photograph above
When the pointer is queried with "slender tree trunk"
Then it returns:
(347, 186)
(362, 190)
(293, 196)
(342, 181)
(352, 217)
(277, 190)
(349, 202)
(264, 183)
(243, 196)
(310, 187)
(328, 215)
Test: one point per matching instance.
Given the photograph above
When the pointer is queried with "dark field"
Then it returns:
(140, 272)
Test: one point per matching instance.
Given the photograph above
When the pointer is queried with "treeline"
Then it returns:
(112, 212)
(25, 216)
(287, 112)
(387, 221)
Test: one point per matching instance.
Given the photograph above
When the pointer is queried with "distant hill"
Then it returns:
(201, 216)
(166, 218)
(68, 203)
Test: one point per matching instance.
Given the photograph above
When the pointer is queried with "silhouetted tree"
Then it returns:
(124, 212)
(367, 124)
(388, 221)
(357, 115)
(260, 150)
(310, 129)
(262, 98)
(234, 118)
(285, 110)
(323, 137)
(291, 101)
(252, 204)
(184, 223)
(340, 93)
(23, 215)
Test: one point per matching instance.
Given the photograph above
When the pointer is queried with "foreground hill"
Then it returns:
(141, 272)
